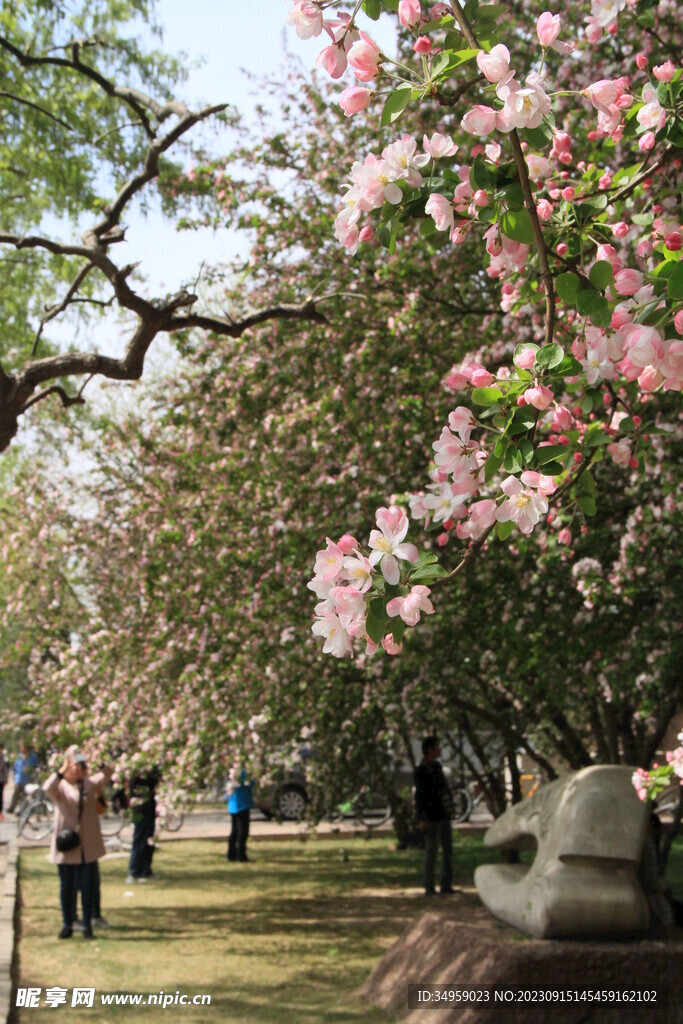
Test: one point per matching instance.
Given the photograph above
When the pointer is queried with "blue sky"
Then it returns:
(230, 35)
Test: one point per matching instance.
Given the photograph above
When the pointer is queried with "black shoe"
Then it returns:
(448, 892)
(87, 933)
(65, 933)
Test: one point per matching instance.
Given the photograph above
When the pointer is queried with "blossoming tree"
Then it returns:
(570, 187)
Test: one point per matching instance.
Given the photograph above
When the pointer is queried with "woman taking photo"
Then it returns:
(76, 838)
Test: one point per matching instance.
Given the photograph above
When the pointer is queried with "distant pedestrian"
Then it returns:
(4, 775)
(76, 839)
(143, 805)
(433, 802)
(240, 802)
(24, 768)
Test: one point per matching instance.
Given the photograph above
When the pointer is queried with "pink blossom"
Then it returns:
(644, 345)
(548, 29)
(539, 396)
(333, 60)
(523, 505)
(354, 99)
(652, 116)
(525, 106)
(328, 562)
(349, 605)
(646, 142)
(347, 544)
(627, 282)
(364, 58)
(544, 484)
(366, 234)
(494, 65)
(358, 571)
(410, 607)
(423, 45)
(409, 13)
(650, 379)
(482, 378)
(307, 19)
(545, 209)
(482, 517)
(620, 229)
(678, 322)
(620, 451)
(664, 72)
(603, 94)
(480, 120)
(564, 536)
(390, 645)
(387, 543)
(441, 210)
(337, 641)
(525, 358)
(562, 418)
(439, 146)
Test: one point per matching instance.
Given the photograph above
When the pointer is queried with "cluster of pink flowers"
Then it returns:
(458, 477)
(344, 577)
(648, 784)
(634, 350)
(376, 181)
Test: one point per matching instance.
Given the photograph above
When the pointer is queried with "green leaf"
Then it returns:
(522, 421)
(505, 529)
(395, 104)
(675, 286)
(516, 224)
(391, 5)
(550, 356)
(426, 558)
(587, 483)
(595, 435)
(376, 622)
(601, 274)
(568, 286)
(428, 574)
(587, 504)
(372, 8)
(398, 628)
(569, 367)
(539, 137)
(493, 464)
(590, 208)
(513, 462)
(482, 175)
(549, 452)
(486, 396)
(526, 449)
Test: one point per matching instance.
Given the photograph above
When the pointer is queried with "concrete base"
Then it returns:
(437, 949)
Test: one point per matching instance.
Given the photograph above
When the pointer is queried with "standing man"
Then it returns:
(433, 799)
(24, 768)
(4, 775)
(143, 805)
(240, 802)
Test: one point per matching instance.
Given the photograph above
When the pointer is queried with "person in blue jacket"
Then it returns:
(240, 802)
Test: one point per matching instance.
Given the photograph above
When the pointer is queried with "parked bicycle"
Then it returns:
(368, 807)
(466, 798)
(35, 814)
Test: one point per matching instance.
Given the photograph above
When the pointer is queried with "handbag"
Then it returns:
(70, 838)
(67, 839)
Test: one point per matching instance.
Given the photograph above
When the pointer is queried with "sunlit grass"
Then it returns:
(287, 939)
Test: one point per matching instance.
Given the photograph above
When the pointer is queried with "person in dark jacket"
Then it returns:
(142, 792)
(433, 800)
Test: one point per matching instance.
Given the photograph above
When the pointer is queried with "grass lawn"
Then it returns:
(288, 938)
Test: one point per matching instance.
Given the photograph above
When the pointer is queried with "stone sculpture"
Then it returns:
(590, 829)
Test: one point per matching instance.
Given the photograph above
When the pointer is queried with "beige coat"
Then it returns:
(65, 798)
